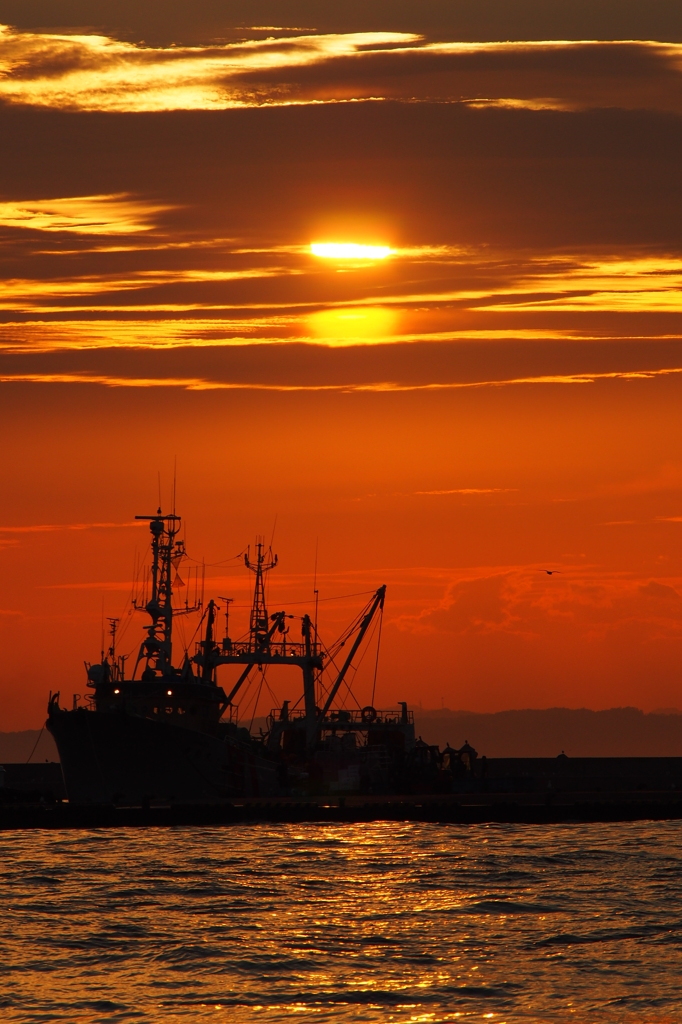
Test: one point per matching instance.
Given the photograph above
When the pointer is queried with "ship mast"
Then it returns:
(116, 664)
(258, 624)
(156, 649)
(268, 644)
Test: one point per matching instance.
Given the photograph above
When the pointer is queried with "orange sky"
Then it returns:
(499, 395)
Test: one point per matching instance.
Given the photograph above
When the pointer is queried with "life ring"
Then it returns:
(368, 714)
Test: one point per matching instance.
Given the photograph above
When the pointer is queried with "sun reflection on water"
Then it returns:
(381, 922)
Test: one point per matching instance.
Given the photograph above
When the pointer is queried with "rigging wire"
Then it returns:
(271, 691)
(295, 604)
(35, 745)
(341, 597)
(127, 610)
(331, 652)
(237, 605)
(225, 561)
(355, 624)
(356, 668)
(198, 627)
(376, 663)
(255, 703)
(331, 661)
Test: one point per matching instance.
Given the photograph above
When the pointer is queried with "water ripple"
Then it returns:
(380, 922)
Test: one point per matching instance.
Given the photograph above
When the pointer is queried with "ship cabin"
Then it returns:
(184, 701)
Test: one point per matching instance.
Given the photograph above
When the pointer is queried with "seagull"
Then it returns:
(550, 572)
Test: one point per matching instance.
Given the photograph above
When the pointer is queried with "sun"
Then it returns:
(349, 251)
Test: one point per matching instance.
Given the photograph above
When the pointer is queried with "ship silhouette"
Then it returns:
(169, 733)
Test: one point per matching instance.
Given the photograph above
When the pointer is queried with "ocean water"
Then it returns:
(344, 923)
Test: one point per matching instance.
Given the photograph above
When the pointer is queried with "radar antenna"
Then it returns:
(258, 625)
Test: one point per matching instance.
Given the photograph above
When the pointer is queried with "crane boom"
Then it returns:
(377, 603)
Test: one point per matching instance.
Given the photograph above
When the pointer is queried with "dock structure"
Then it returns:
(513, 790)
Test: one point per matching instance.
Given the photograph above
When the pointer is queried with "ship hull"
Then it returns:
(129, 760)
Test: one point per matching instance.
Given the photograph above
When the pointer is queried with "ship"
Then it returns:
(169, 734)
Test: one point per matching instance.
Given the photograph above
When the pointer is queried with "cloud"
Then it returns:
(480, 606)
(122, 585)
(422, 296)
(647, 522)
(97, 72)
(471, 490)
(201, 332)
(645, 284)
(536, 75)
(519, 602)
(30, 294)
(52, 527)
(116, 214)
(379, 386)
(659, 591)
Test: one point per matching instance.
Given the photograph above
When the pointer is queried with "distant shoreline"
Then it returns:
(530, 732)
(579, 732)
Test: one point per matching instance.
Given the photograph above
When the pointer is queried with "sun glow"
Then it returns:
(349, 251)
(338, 327)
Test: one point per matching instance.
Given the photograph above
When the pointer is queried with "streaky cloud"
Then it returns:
(55, 527)
(115, 214)
(163, 334)
(363, 309)
(202, 384)
(96, 72)
(468, 490)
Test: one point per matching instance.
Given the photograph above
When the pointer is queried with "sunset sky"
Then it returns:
(492, 390)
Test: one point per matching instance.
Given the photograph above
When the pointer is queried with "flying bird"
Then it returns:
(550, 572)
